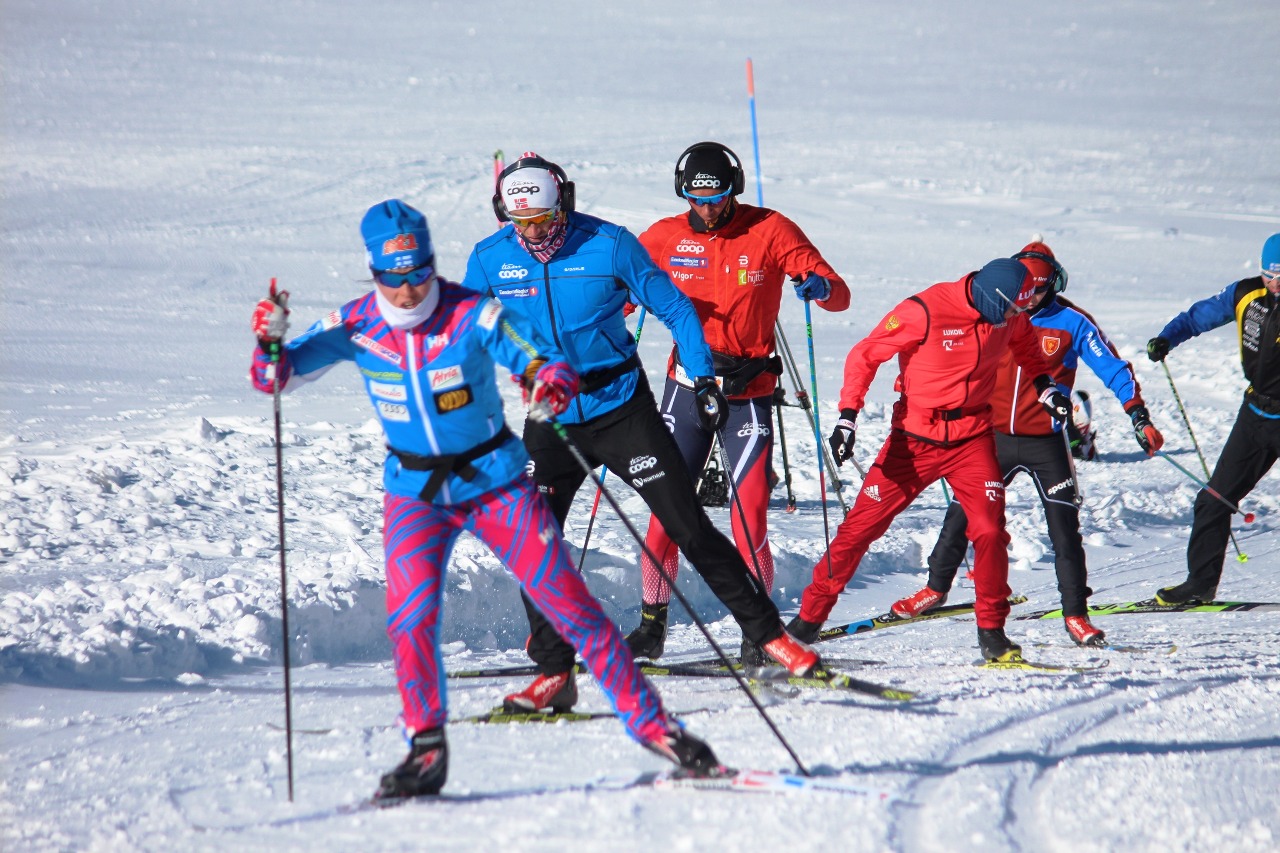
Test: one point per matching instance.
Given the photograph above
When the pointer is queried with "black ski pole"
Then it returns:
(284, 574)
(595, 505)
(779, 395)
(1071, 463)
(1177, 398)
(702, 626)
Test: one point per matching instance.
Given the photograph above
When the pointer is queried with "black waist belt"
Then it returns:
(452, 463)
(957, 414)
(1270, 405)
(597, 379)
(736, 372)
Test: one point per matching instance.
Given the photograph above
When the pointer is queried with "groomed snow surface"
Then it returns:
(163, 159)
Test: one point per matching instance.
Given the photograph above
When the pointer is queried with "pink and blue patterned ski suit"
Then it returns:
(453, 465)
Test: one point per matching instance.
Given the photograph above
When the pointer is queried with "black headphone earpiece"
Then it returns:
(568, 193)
(737, 182)
(1059, 282)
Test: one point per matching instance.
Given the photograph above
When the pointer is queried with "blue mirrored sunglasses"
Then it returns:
(707, 199)
(415, 277)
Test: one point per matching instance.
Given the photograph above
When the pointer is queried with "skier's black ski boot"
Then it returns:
(1187, 592)
(752, 655)
(803, 630)
(648, 640)
(692, 755)
(422, 773)
(996, 647)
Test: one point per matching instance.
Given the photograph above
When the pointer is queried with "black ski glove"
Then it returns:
(1149, 438)
(1157, 348)
(713, 408)
(842, 436)
(1057, 404)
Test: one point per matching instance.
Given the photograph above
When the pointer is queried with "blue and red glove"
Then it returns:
(554, 385)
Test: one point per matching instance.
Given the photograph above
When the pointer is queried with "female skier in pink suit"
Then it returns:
(426, 349)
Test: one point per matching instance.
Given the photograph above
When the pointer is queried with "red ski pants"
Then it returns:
(905, 467)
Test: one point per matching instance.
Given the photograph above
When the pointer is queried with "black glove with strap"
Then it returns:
(1157, 348)
(1149, 438)
(1057, 404)
(713, 408)
(842, 436)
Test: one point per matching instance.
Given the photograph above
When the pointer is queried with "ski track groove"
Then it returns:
(1074, 720)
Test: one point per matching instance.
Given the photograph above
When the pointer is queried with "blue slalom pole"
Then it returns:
(755, 134)
(808, 324)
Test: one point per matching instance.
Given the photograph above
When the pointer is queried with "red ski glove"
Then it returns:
(271, 316)
(553, 387)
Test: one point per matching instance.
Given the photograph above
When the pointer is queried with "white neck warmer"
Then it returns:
(406, 318)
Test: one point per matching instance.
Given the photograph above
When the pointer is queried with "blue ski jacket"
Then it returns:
(433, 386)
(1067, 337)
(1256, 313)
(575, 301)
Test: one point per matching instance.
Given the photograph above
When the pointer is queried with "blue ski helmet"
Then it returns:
(395, 236)
(997, 286)
(1271, 254)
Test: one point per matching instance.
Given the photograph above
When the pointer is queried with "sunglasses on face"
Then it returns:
(415, 277)
(523, 222)
(1270, 275)
(707, 200)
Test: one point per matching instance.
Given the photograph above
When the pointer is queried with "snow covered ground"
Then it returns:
(164, 158)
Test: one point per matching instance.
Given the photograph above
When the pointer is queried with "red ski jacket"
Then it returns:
(735, 277)
(947, 360)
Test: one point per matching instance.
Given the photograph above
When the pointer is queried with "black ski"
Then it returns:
(499, 716)
(775, 676)
(892, 620)
(1113, 647)
(1150, 606)
(699, 666)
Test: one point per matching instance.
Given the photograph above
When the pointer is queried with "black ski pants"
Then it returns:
(1046, 460)
(633, 443)
(1250, 451)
